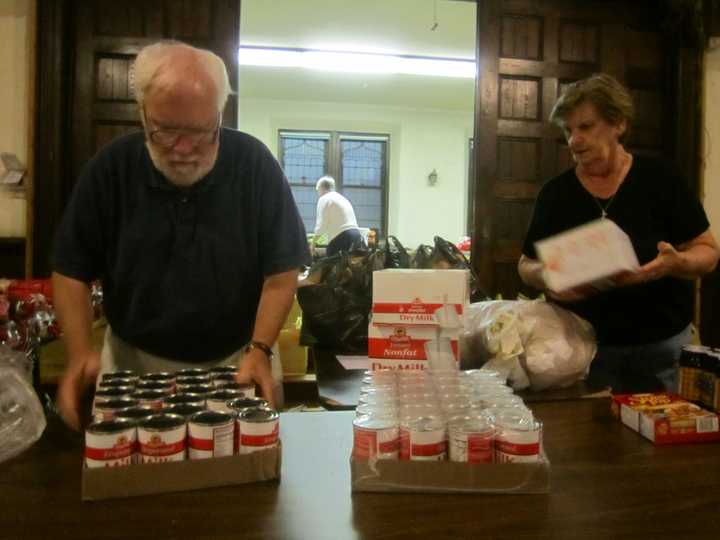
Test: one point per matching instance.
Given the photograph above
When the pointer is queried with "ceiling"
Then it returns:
(401, 27)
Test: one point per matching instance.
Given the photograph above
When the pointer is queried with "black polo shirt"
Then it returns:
(182, 270)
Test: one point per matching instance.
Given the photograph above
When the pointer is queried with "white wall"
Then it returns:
(712, 137)
(420, 140)
(14, 70)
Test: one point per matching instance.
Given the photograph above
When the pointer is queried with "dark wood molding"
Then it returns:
(54, 48)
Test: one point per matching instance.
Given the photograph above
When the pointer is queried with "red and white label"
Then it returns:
(110, 449)
(211, 441)
(470, 447)
(254, 436)
(418, 445)
(370, 443)
(159, 447)
(516, 446)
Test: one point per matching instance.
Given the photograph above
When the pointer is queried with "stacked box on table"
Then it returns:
(415, 311)
(665, 418)
(152, 478)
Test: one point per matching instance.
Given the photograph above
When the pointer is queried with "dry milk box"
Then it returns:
(588, 254)
(417, 318)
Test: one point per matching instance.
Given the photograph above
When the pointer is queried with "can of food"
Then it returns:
(106, 409)
(242, 403)
(198, 389)
(422, 439)
(151, 398)
(186, 410)
(162, 438)
(217, 370)
(120, 374)
(258, 429)
(247, 390)
(471, 439)
(110, 443)
(221, 379)
(186, 380)
(376, 436)
(135, 413)
(193, 372)
(103, 394)
(116, 383)
(166, 387)
(183, 398)
(211, 434)
(160, 376)
(217, 400)
(518, 438)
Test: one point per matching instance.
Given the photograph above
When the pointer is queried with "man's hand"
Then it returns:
(80, 375)
(255, 367)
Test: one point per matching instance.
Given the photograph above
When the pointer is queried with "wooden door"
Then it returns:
(86, 83)
(528, 52)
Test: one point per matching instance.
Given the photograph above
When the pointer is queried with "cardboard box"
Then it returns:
(665, 418)
(416, 313)
(152, 478)
(588, 254)
(449, 477)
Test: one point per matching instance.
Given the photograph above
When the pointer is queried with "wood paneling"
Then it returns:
(579, 42)
(521, 37)
(520, 98)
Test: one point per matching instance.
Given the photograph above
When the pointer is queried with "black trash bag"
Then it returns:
(336, 310)
(396, 256)
(422, 257)
(447, 255)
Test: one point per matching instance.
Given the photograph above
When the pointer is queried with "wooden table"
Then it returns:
(607, 482)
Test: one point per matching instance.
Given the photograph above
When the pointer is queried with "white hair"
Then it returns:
(326, 183)
(153, 58)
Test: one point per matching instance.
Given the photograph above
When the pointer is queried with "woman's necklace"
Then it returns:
(623, 173)
(604, 207)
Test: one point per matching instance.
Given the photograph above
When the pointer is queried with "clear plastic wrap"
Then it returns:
(384, 475)
(533, 343)
(22, 420)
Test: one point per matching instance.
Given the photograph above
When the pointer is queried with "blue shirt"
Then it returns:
(182, 270)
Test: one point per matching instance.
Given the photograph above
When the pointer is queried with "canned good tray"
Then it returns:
(449, 477)
(153, 478)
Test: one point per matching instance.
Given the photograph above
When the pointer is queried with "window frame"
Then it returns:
(333, 160)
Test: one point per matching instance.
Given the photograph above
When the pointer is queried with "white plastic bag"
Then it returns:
(22, 420)
(534, 343)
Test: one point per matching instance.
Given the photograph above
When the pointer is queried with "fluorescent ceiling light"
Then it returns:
(354, 62)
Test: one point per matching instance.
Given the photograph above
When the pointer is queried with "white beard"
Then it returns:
(182, 175)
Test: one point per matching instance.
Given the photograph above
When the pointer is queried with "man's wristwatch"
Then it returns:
(259, 345)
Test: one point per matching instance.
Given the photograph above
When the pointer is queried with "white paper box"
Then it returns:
(417, 318)
(420, 297)
(586, 255)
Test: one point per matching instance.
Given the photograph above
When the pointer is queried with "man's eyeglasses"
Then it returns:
(167, 137)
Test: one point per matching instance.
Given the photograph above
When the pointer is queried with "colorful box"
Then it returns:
(665, 418)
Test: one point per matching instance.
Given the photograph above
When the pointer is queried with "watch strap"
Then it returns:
(254, 344)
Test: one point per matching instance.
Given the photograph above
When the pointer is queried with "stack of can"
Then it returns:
(190, 414)
(699, 375)
(465, 416)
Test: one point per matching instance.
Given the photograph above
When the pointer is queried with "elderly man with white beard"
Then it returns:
(191, 228)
